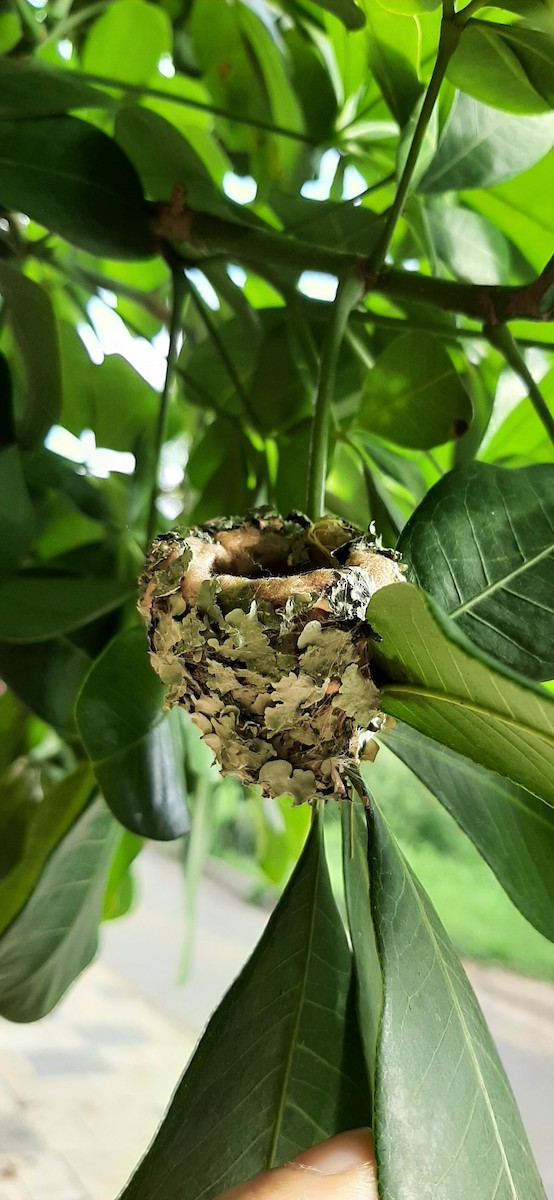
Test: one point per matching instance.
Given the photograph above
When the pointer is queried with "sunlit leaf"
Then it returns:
(433, 678)
(413, 395)
(129, 22)
(480, 146)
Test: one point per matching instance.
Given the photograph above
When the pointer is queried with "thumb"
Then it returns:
(340, 1169)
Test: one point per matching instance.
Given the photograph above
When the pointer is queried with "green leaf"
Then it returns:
(393, 49)
(369, 983)
(46, 677)
(35, 608)
(413, 396)
(111, 397)
(279, 1067)
(34, 327)
(47, 824)
(512, 830)
(55, 935)
(30, 89)
(145, 27)
(10, 31)
(468, 244)
(347, 11)
(522, 438)
(17, 518)
(486, 66)
(535, 52)
(480, 146)
(120, 888)
(521, 209)
(72, 178)
(408, 7)
(135, 748)
(482, 545)
(435, 680)
(436, 1056)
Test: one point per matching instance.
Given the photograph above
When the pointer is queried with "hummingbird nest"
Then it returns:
(258, 629)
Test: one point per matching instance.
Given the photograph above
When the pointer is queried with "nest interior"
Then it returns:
(258, 628)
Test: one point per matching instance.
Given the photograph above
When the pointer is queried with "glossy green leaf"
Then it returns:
(413, 396)
(482, 545)
(34, 328)
(434, 679)
(145, 27)
(72, 178)
(46, 677)
(468, 244)
(347, 11)
(120, 891)
(480, 146)
(435, 1055)
(522, 438)
(55, 935)
(486, 67)
(17, 518)
(32, 89)
(369, 983)
(279, 1066)
(512, 830)
(535, 53)
(47, 824)
(135, 748)
(35, 608)
(393, 54)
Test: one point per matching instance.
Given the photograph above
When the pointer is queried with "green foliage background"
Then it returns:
(404, 150)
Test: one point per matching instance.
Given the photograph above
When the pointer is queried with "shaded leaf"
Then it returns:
(480, 146)
(47, 823)
(369, 984)
(435, 680)
(512, 830)
(522, 438)
(347, 11)
(17, 518)
(468, 244)
(46, 677)
(482, 544)
(436, 1055)
(35, 332)
(36, 608)
(393, 50)
(280, 1062)
(414, 396)
(111, 397)
(55, 935)
(135, 748)
(72, 178)
(32, 89)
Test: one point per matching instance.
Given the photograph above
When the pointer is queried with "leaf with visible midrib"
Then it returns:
(512, 830)
(482, 544)
(446, 1124)
(433, 678)
(279, 1067)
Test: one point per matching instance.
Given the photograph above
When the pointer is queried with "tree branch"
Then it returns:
(213, 237)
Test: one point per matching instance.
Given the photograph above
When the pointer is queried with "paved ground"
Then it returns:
(81, 1092)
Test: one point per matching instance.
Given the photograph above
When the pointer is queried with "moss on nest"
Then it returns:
(258, 629)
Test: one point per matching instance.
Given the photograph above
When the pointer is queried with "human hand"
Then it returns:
(340, 1169)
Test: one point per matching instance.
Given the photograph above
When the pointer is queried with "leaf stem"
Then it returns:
(466, 13)
(349, 292)
(161, 424)
(450, 34)
(135, 89)
(500, 337)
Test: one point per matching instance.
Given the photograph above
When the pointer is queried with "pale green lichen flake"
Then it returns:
(358, 697)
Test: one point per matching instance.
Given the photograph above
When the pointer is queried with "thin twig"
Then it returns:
(161, 424)
(501, 338)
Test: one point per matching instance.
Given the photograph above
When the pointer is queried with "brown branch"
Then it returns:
(256, 247)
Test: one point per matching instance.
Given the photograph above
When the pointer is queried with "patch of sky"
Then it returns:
(242, 189)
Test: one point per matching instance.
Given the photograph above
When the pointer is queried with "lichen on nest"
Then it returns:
(257, 626)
